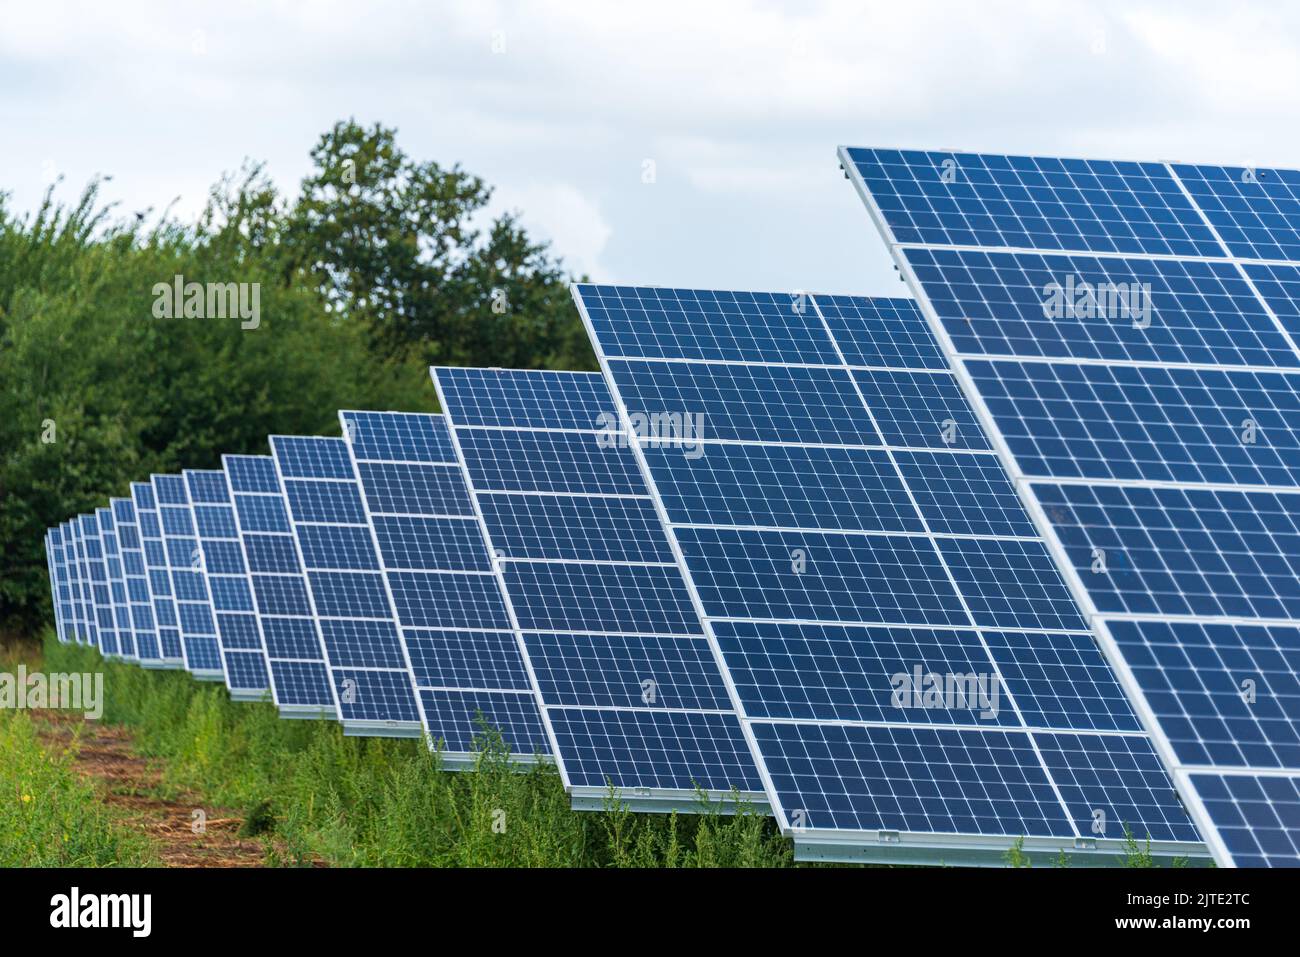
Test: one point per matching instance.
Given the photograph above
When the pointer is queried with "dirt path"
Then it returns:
(130, 787)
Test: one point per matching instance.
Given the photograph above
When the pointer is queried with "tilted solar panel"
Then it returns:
(188, 582)
(631, 693)
(158, 578)
(136, 581)
(299, 679)
(1127, 333)
(222, 555)
(101, 588)
(454, 631)
(51, 538)
(347, 591)
(122, 616)
(122, 626)
(84, 612)
(62, 583)
(72, 570)
(912, 671)
(88, 538)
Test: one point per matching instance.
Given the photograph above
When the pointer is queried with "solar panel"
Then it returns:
(122, 625)
(51, 536)
(239, 633)
(299, 679)
(455, 634)
(871, 584)
(188, 582)
(122, 616)
(101, 586)
(72, 562)
(631, 694)
(90, 612)
(84, 611)
(157, 578)
(136, 583)
(1134, 355)
(347, 592)
(63, 583)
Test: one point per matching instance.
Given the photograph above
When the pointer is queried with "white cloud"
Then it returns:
(560, 213)
(740, 102)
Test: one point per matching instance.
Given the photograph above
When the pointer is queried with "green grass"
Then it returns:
(49, 815)
(313, 794)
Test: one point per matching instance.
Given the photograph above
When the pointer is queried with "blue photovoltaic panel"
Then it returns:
(189, 589)
(1029, 202)
(518, 461)
(1257, 815)
(101, 584)
(1199, 702)
(135, 587)
(229, 584)
(72, 564)
(630, 691)
(1158, 442)
(51, 538)
(1255, 211)
(1179, 551)
(117, 584)
(161, 595)
(60, 583)
(843, 572)
(1137, 310)
(1158, 424)
(454, 632)
(345, 586)
(299, 679)
(88, 552)
(87, 616)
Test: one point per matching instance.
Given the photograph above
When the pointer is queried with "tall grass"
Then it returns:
(49, 815)
(316, 795)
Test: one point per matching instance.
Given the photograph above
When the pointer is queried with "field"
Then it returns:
(299, 793)
(177, 774)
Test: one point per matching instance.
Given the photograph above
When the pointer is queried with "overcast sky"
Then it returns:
(739, 105)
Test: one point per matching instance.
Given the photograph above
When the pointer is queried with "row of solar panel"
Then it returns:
(1018, 566)
(1129, 331)
(638, 611)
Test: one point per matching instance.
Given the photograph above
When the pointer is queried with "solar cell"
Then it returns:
(238, 630)
(84, 610)
(87, 537)
(125, 570)
(187, 579)
(346, 592)
(100, 588)
(897, 636)
(125, 648)
(1155, 444)
(631, 695)
(297, 673)
(453, 632)
(51, 537)
(157, 578)
(135, 585)
(72, 570)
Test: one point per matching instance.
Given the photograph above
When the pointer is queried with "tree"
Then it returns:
(392, 243)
